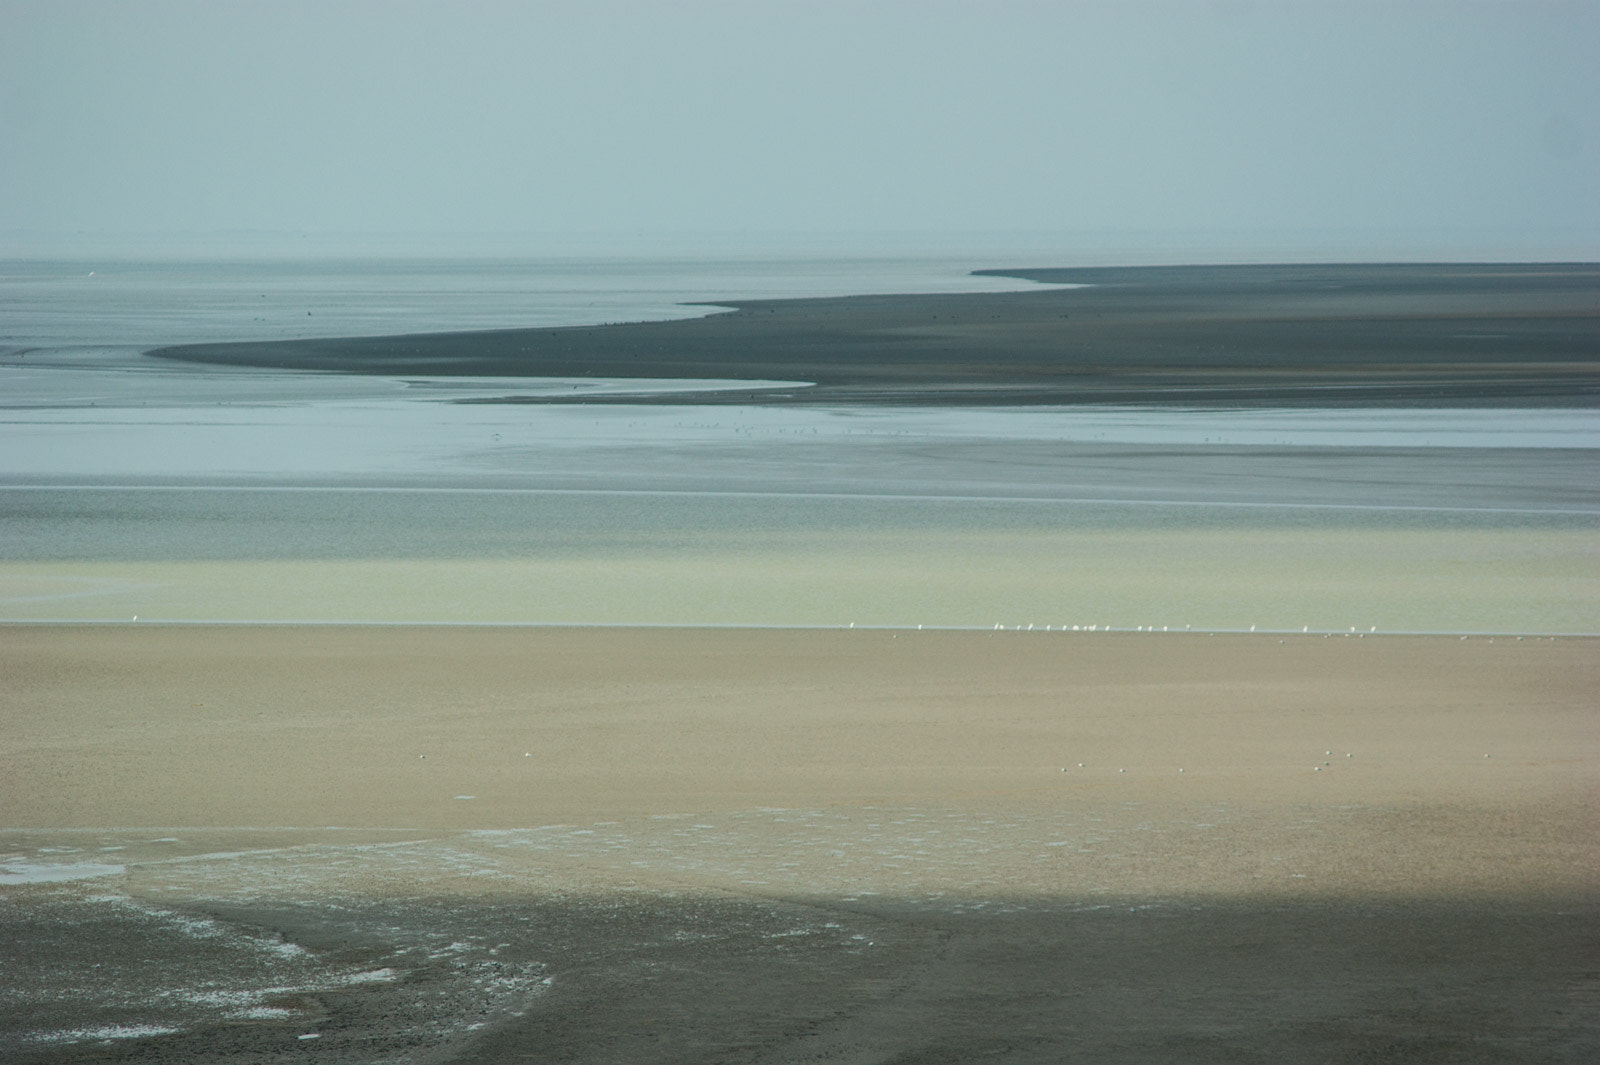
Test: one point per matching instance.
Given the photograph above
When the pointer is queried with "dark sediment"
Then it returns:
(1119, 981)
(648, 978)
(1317, 335)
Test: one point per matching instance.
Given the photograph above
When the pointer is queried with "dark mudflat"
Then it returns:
(1522, 334)
(649, 978)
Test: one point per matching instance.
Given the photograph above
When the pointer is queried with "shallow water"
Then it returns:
(731, 559)
(130, 302)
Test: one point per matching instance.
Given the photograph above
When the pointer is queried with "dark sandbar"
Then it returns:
(1522, 334)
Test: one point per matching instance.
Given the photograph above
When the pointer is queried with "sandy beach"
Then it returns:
(574, 844)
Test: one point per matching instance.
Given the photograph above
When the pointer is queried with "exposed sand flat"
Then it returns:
(314, 726)
(774, 846)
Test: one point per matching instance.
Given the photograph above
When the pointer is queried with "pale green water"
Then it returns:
(594, 558)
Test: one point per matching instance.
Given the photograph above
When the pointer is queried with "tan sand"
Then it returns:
(771, 845)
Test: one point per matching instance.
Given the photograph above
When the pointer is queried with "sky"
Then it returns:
(1459, 129)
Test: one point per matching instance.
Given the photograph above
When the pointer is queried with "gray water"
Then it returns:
(92, 303)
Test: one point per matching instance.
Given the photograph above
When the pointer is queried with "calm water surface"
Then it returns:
(131, 486)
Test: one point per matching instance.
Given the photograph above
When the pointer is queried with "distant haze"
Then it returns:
(1182, 130)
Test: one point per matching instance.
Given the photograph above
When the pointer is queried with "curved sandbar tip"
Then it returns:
(1316, 335)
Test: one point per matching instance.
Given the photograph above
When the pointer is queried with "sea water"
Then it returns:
(136, 487)
(122, 303)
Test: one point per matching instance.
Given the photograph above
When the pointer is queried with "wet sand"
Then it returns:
(1520, 334)
(781, 846)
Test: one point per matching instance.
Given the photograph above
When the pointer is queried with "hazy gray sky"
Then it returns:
(639, 119)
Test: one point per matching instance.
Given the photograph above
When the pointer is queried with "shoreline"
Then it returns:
(733, 626)
(1239, 337)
